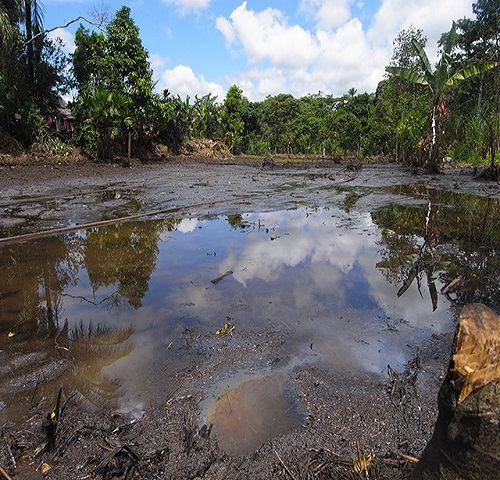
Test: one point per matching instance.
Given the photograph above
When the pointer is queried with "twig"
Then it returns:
(5, 474)
(450, 285)
(287, 470)
(408, 457)
(80, 297)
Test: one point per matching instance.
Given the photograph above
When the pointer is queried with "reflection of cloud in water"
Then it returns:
(414, 309)
(297, 237)
(187, 225)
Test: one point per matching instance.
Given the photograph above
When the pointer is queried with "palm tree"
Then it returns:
(33, 12)
(437, 81)
(105, 110)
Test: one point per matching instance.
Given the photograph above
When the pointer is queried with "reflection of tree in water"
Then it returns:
(73, 359)
(33, 275)
(39, 352)
(90, 348)
(457, 242)
(235, 221)
(123, 254)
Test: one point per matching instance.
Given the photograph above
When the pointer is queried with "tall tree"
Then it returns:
(436, 81)
(232, 115)
(118, 63)
(33, 14)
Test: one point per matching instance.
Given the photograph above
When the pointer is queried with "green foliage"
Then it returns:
(29, 124)
(231, 115)
(175, 123)
(410, 131)
(258, 146)
(31, 72)
(112, 71)
(88, 59)
(436, 81)
(475, 136)
(102, 113)
(207, 117)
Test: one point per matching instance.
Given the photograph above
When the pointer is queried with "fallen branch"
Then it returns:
(46, 233)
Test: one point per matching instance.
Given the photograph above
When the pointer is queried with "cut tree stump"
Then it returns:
(466, 439)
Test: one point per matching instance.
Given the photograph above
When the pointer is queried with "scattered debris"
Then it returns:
(402, 386)
(267, 163)
(120, 462)
(204, 147)
(217, 280)
(227, 328)
(362, 462)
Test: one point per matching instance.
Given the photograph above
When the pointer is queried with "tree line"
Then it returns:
(419, 114)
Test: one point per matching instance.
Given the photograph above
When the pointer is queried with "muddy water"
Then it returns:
(106, 312)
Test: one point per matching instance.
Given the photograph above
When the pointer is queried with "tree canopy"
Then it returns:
(418, 114)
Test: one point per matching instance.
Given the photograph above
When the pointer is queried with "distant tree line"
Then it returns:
(116, 104)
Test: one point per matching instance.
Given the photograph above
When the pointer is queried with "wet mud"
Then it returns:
(276, 398)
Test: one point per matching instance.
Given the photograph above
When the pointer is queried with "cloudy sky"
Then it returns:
(268, 47)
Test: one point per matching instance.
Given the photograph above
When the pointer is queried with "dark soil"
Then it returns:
(392, 418)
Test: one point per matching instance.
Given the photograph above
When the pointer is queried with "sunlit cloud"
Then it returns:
(188, 6)
(340, 53)
(66, 37)
(328, 14)
(181, 80)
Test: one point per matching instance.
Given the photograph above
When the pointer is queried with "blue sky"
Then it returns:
(268, 47)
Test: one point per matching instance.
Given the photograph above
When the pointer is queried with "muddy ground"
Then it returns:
(392, 418)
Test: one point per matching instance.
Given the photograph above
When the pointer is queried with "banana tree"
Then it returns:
(437, 81)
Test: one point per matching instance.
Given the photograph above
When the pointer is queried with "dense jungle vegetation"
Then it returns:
(418, 114)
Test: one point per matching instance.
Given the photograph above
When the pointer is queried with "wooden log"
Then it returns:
(466, 439)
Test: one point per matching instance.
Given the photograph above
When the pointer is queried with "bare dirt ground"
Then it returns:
(392, 419)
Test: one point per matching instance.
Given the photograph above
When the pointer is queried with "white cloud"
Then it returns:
(327, 13)
(340, 53)
(433, 18)
(266, 37)
(224, 26)
(157, 61)
(182, 81)
(66, 37)
(187, 6)
(259, 83)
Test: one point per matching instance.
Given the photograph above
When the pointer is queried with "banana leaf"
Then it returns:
(408, 282)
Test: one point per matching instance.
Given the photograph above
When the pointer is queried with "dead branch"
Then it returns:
(44, 32)
(112, 221)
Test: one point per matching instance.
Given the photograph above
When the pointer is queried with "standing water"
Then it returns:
(108, 312)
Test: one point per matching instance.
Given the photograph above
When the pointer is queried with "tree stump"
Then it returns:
(466, 439)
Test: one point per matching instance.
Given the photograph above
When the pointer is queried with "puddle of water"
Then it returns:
(106, 311)
(252, 412)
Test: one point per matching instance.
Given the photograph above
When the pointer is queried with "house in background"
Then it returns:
(64, 120)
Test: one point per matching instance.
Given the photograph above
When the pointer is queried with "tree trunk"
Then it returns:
(29, 35)
(129, 149)
(466, 440)
(433, 161)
